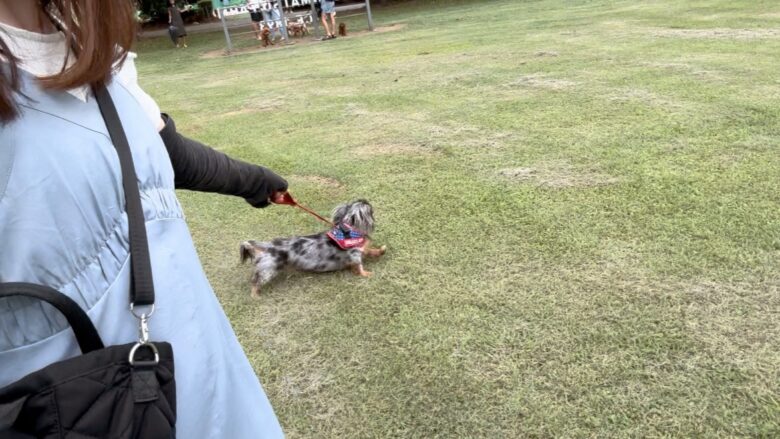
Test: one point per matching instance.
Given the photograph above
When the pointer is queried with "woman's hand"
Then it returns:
(281, 197)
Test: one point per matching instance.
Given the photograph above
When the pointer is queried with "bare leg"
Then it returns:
(333, 23)
(256, 28)
(325, 24)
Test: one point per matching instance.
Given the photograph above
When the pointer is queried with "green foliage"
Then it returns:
(157, 10)
(153, 8)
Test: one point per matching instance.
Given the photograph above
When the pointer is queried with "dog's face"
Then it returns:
(358, 214)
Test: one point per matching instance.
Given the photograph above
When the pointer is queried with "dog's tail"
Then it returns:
(249, 250)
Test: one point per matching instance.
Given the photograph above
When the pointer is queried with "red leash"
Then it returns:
(287, 199)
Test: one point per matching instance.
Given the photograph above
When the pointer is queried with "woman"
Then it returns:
(329, 8)
(272, 18)
(62, 220)
(176, 25)
(253, 6)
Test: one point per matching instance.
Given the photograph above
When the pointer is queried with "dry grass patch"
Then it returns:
(468, 136)
(541, 81)
(377, 149)
(718, 33)
(239, 112)
(426, 135)
(558, 175)
(224, 82)
(304, 380)
(684, 68)
(716, 316)
(317, 180)
(262, 104)
(647, 97)
(356, 110)
(389, 28)
(257, 105)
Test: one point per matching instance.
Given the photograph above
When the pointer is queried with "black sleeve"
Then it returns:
(200, 168)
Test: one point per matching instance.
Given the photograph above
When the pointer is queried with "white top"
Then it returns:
(44, 55)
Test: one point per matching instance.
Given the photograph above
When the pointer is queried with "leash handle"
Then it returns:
(286, 198)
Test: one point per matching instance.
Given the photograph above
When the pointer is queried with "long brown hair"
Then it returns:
(101, 31)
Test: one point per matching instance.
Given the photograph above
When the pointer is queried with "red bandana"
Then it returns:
(346, 237)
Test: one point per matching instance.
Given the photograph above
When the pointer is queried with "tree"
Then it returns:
(157, 10)
(153, 9)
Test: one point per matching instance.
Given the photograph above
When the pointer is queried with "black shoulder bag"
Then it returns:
(124, 391)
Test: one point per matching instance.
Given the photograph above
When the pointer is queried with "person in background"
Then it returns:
(253, 6)
(329, 8)
(63, 222)
(176, 25)
(273, 18)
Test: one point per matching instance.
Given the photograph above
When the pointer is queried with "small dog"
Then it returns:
(342, 247)
(265, 35)
(343, 29)
(297, 28)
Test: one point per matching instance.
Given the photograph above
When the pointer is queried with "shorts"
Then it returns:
(328, 6)
(176, 33)
(256, 16)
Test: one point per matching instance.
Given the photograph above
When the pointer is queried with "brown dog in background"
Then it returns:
(297, 28)
(265, 35)
(342, 29)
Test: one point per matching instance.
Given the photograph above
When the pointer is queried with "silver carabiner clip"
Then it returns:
(143, 322)
(143, 337)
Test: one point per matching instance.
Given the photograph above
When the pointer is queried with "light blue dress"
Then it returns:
(62, 224)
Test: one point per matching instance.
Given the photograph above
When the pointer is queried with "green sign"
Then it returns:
(225, 3)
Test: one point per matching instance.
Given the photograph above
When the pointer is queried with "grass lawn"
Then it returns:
(581, 201)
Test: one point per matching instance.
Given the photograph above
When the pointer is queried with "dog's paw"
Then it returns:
(383, 250)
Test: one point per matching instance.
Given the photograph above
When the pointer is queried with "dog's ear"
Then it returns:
(363, 215)
(339, 213)
(248, 251)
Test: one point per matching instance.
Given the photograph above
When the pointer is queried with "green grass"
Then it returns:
(581, 201)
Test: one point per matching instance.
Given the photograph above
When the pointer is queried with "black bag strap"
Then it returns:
(86, 334)
(141, 284)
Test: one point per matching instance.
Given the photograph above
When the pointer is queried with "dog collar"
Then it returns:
(346, 237)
